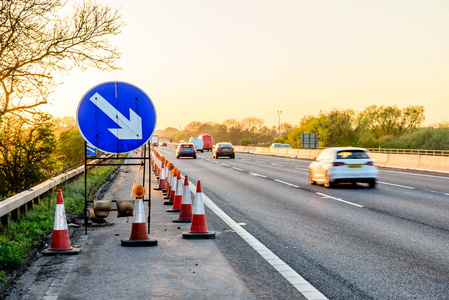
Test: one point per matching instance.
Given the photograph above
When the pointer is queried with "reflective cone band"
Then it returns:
(178, 195)
(185, 215)
(198, 228)
(60, 243)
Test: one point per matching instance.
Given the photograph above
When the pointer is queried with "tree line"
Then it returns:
(375, 126)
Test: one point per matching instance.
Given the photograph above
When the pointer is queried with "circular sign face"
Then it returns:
(116, 117)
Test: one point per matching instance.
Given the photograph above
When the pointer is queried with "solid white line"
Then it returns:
(302, 285)
(238, 169)
(274, 164)
(341, 200)
(415, 174)
(258, 175)
(280, 181)
(397, 185)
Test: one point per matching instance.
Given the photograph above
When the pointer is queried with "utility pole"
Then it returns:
(279, 113)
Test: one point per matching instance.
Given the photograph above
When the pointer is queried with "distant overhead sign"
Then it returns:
(116, 117)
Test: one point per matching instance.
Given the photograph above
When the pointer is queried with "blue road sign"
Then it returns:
(91, 150)
(116, 117)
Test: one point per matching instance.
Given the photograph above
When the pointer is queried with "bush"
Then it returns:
(246, 142)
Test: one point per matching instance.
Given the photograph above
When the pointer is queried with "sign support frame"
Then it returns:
(143, 159)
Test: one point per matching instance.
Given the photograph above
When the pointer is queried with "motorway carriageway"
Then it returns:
(349, 242)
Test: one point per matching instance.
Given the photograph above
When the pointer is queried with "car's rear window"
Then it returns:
(187, 146)
(352, 154)
(225, 145)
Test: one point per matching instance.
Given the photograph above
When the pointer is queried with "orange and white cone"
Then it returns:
(185, 215)
(60, 243)
(162, 179)
(172, 187)
(178, 195)
(139, 235)
(198, 228)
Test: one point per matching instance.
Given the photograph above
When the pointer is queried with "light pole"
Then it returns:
(279, 113)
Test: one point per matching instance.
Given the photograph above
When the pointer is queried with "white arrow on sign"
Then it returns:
(130, 129)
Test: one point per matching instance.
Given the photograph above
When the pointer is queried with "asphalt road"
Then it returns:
(350, 242)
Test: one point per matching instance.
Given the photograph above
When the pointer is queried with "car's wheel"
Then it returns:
(310, 178)
(194, 156)
(328, 183)
(177, 156)
(372, 183)
(233, 157)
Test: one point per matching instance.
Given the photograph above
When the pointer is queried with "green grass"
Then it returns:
(18, 241)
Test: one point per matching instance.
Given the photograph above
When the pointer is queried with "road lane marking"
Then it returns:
(397, 185)
(275, 164)
(257, 175)
(287, 183)
(302, 285)
(225, 165)
(303, 169)
(414, 174)
(238, 169)
(341, 200)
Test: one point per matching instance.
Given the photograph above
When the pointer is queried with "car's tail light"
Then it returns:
(232, 148)
(337, 163)
(370, 163)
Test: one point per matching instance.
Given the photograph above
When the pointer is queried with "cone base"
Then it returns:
(182, 220)
(72, 251)
(199, 236)
(138, 243)
(168, 202)
(157, 189)
(166, 197)
(173, 210)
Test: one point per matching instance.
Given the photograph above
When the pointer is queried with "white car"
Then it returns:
(335, 165)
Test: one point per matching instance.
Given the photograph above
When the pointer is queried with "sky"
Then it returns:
(213, 60)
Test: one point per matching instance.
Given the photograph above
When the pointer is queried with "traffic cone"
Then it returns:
(162, 180)
(178, 195)
(185, 215)
(198, 228)
(139, 235)
(172, 187)
(60, 243)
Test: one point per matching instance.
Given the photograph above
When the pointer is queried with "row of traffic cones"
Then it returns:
(178, 195)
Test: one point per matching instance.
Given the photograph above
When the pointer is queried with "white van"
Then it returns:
(199, 143)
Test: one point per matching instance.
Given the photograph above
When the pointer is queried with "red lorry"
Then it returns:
(208, 142)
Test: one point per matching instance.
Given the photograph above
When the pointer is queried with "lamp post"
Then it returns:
(279, 113)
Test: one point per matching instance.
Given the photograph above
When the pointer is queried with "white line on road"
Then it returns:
(238, 169)
(257, 175)
(283, 182)
(415, 174)
(303, 169)
(397, 185)
(341, 200)
(275, 164)
(225, 165)
(302, 285)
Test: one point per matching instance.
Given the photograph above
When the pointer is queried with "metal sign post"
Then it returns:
(116, 118)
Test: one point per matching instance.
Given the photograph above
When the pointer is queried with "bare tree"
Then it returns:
(37, 43)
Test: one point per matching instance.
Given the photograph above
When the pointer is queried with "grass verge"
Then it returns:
(22, 237)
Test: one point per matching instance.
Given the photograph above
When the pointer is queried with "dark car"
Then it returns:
(186, 149)
(223, 149)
